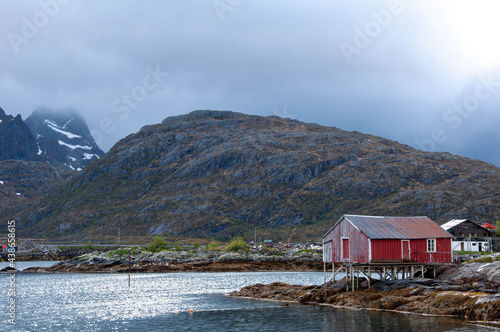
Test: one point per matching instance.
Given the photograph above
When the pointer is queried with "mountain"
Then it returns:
(218, 174)
(63, 138)
(16, 139)
(21, 180)
(37, 155)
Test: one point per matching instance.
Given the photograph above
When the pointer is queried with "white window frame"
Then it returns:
(431, 245)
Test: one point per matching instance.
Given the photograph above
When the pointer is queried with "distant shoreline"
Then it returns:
(226, 266)
(202, 260)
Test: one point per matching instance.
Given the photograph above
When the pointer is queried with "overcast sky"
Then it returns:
(423, 74)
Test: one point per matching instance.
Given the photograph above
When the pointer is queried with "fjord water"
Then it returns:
(161, 302)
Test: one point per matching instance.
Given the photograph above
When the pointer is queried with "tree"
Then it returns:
(158, 244)
(236, 245)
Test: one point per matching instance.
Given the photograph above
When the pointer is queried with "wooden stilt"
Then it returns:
(352, 278)
(357, 278)
(369, 278)
(346, 278)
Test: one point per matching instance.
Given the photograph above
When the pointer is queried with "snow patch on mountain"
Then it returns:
(55, 127)
(74, 147)
(89, 156)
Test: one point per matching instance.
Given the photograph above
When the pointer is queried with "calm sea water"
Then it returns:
(161, 302)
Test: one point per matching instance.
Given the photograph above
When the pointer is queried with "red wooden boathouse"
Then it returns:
(374, 240)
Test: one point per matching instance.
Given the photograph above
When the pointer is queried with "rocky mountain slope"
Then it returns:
(21, 180)
(221, 174)
(16, 139)
(63, 138)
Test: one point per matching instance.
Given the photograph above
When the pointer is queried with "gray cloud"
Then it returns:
(262, 56)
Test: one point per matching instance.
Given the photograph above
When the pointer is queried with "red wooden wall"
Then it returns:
(386, 250)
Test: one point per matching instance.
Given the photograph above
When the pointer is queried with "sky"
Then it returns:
(423, 73)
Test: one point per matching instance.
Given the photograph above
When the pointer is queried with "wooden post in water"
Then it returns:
(129, 268)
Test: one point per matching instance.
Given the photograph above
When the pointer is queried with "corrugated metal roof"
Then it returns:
(397, 227)
(452, 223)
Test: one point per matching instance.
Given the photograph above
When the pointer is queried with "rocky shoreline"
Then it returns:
(200, 260)
(471, 291)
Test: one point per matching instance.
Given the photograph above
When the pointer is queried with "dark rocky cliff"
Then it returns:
(16, 139)
(221, 174)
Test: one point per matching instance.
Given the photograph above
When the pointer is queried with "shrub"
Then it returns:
(135, 250)
(158, 244)
(119, 252)
(178, 246)
(236, 245)
(196, 245)
(212, 245)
